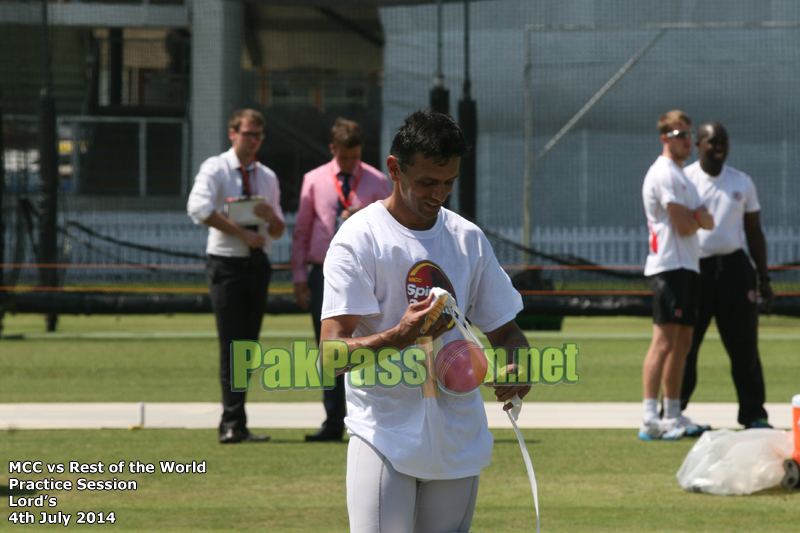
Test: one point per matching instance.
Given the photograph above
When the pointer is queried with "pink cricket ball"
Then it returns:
(461, 366)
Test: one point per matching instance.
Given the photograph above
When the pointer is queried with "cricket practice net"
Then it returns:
(567, 97)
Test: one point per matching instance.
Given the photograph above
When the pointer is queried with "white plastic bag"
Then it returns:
(729, 462)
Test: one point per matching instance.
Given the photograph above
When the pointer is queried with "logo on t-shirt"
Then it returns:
(424, 276)
(737, 195)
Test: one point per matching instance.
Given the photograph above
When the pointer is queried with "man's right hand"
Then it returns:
(400, 337)
(704, 218)
(408, 330)
(301, 294)
(252, 239)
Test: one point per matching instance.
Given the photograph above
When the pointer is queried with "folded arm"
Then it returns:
(686, 221)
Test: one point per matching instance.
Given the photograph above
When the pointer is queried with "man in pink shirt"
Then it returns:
(330, 194)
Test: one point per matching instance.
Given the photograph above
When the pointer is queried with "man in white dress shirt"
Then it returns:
(237, 269)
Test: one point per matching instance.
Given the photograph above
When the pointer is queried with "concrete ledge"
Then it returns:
(199, 415)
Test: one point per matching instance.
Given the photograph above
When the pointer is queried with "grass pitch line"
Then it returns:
(149, 335)
(203, 415)
(267, 333)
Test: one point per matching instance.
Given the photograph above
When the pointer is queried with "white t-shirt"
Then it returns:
(728, 197)
(374, 268)
(220, 178)
(665, 183)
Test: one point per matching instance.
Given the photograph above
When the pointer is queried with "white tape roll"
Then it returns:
(516, 401)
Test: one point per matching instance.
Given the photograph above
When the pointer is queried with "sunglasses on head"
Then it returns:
(680, 134)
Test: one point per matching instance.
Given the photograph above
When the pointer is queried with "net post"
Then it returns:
(142, 157)
(528, 172)
(48, 197)
(468, 120)
(3, 293)
(48, 177)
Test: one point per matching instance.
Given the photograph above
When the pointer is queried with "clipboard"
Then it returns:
(240, 210)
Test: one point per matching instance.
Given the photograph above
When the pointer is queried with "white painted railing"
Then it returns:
(627, 245)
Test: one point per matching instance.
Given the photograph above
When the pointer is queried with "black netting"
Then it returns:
(567, 96)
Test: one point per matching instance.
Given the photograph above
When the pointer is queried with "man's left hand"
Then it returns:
(263, 211)
(505, 391)
(767, 295)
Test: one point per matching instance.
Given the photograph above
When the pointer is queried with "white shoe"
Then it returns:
(657, 429)
(692, 429)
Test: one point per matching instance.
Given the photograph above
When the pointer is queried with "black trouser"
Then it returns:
(238, 288)
(728, 293)
(333, 399)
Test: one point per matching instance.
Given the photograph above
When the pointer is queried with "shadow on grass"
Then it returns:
(777, 490)
(306, 443)
(514, 440)
(6, 491)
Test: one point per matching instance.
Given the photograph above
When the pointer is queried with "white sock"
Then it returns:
(672, 407)
(650, 409)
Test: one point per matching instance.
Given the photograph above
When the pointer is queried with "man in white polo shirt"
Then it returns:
(728, 280)
(674, 214)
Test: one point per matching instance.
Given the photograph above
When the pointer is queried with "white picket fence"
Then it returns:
(626, 245)
(603, 245)
(783, 245)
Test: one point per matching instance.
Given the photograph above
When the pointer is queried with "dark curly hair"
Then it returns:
(434, 135)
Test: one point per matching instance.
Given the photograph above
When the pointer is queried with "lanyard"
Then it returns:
(346, 201)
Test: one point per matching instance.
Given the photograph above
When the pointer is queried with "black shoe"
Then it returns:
(325, 435)
(231, 436)
(252, 437)
(759, 423)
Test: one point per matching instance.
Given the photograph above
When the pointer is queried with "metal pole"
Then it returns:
(75, 158)
(466, 47)
(439, 98)
(439, 79)
(583, 191)
(48, 81)
(48, 176)
(115, 59)
(468, 120)
(185, 158)
(785, 182)
(3, 294)
(526, 186)
(142, 158)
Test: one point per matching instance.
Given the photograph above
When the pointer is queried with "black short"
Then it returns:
(676, 294)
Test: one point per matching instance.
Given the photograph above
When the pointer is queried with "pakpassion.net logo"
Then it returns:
(460, 366)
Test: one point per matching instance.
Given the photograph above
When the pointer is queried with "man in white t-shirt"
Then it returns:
(674, 214)
(413, 462)
(728, 280)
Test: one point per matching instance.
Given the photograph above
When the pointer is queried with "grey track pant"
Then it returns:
(382, 500)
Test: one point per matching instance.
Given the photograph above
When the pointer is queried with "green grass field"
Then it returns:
(122, 359)
(598, 480)
(589, 480)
